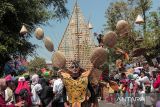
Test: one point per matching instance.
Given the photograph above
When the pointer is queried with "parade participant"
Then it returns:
(76, 84)
(9, 94)
(146, 66)
(23, 92)
(58, 93)
(124, 84)
(46, 95)
(156, 83)
(3, 86)
(120, 65)
(36, 90)
(142, 79)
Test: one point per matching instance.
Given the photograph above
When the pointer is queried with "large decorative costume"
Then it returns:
(77, 88)
(76, 80)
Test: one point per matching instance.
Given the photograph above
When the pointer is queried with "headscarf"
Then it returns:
(8, 78)
(22, 84)
(35, 98)
(35, 79)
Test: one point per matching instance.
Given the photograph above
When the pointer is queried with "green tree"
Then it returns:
(36, 64)
(121, 10)
(13, 13)
(152, 38)
(129, 10)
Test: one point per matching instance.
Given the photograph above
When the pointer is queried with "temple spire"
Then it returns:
(77, 43)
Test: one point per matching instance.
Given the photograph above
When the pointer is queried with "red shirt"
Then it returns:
(156, 84)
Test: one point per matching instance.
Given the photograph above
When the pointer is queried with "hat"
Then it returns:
(21, 79)
(75, 63)
(8, 78)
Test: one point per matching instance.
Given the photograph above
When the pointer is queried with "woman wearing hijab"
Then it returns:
(3, 86)
(9, 94)
(36, 88)
(23, 92)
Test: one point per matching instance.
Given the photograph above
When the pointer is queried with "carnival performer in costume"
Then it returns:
(76, 86)
(76, 80)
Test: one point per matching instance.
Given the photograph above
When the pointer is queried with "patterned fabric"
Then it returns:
(9, 96)
(76, 88)
(110, 90)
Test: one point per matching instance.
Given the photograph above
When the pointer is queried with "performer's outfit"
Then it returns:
(76, 89)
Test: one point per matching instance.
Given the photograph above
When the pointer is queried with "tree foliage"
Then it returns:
(149, 30)
(15, 13)
(36, 64)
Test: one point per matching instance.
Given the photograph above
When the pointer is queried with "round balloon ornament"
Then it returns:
(98, 56)
(58, 60)
(122, 28)
(48, 43)
(110, 39)
(39, 33)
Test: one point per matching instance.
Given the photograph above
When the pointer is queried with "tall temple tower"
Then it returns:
(77, 43)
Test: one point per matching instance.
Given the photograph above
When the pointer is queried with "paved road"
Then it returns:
(105, 104)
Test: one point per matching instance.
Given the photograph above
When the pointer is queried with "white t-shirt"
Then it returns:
(137, 69)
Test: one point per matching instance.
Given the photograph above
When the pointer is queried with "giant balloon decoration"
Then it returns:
(122, 28)
(98, 56)
(58, 60)
(48, 44)
(39, 33)
(110, 39)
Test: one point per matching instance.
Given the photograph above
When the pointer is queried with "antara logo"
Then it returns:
(132, 99)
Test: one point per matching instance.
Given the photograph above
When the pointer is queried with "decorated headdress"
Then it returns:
(75, 63)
